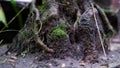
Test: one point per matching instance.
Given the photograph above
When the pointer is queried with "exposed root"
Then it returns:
(44, 46)
(36, 32)
(105, 19)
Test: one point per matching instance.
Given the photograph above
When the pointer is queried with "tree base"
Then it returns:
(63, 30)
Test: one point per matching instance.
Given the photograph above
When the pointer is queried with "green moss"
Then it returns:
(64, 25)
(23, 35)
(42, 7)
(60, 30)
(43, 1)
(58, 33)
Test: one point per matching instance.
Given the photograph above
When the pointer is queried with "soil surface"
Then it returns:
(32, 61)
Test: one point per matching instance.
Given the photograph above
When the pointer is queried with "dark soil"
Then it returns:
(37, 61)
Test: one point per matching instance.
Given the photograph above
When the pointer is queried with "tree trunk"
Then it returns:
(61, 28)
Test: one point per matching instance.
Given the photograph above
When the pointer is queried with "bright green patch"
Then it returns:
(58, 33)
(2, 17)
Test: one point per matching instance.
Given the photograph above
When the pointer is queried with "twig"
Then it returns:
(8, 31)
(100, 36)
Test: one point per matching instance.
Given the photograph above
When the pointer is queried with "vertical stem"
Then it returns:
(100, 36)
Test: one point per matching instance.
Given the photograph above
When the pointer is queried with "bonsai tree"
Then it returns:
(63, 28)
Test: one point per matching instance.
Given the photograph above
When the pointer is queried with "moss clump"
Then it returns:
(64, 25)
(42, 7)
(58, 33)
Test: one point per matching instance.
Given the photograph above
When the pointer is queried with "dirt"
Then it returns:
(33, 61)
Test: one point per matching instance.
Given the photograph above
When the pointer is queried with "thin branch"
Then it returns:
(8, 31)
(98, 29)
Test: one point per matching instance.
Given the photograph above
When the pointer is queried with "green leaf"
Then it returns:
(2, 17)
(15, 7)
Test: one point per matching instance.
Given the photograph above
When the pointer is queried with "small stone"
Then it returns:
(36, 57)
(50, 64)
(62, 65)
(113, 56)
(8, 53)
